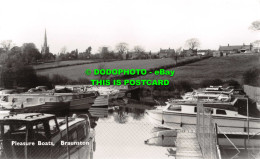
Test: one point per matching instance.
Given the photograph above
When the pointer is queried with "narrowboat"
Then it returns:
(42, 103)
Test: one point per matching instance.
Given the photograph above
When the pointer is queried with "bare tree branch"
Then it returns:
(255, 25)
(7, 44)
(122, 47)
(192, 43)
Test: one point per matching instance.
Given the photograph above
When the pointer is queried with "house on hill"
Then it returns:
(136, 55)
(190, 52)
(203, 52)
(232, 49)
(164, 53)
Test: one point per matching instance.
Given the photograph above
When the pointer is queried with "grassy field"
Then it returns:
(78, 71)
(223, 68)
(60, 63)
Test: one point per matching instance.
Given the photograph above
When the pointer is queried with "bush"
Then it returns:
(59, 79)
(44, 81)
(22, 76)
(233, 83)
(207, 83)
(184, 86)
(252, 77)
(83, 81)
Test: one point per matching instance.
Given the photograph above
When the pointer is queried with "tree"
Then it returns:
(121, 47)
(192, 43)
(7, 44)
(63, 50)
(255, 25)
(30, 53)
(177, 53)
(252, 77)
(256, 43)
(88, 52)
(138, 49)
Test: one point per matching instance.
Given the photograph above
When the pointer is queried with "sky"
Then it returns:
(152, 24)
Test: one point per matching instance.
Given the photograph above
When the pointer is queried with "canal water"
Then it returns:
(122, 134)
(125, 139)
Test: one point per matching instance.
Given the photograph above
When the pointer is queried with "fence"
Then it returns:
(207, 133)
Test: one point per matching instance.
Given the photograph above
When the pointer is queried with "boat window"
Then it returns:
(202, 97)
(223, 112)
(41, 100)
(29, 100)
(175, 108)
(14, 131)
(53, 127)
(60, 99)
(39, 131)
(81, 132)
(4, 98)
(73, 135)
(15, 100)
(208, 110)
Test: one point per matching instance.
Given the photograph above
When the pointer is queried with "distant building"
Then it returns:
(189, 52)
(236, 49)
(137, 55)
(45, 47)
(256, 49)
(203, 52)
(164, 53)
(217, 54)
(132, 55)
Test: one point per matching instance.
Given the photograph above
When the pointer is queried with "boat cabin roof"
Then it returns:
(25, 117)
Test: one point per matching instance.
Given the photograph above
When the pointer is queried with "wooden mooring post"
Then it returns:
(67, 129)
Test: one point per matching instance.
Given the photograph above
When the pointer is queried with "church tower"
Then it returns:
(45, 48)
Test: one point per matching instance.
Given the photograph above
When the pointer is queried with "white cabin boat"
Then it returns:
(206, 96)
(174, 116)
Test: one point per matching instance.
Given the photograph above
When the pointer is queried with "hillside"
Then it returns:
(224, 68)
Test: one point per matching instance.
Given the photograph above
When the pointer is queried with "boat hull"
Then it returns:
(47, 107)
(176, 120)
(81, 104)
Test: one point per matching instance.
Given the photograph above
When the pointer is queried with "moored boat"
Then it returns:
(174, 116)
(36, 135)
(43, 103)
(79, 101)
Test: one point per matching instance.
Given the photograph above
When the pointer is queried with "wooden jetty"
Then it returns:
(187, 146)
(100, 107)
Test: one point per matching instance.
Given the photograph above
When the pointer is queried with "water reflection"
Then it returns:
(122, 132)
(162, 137)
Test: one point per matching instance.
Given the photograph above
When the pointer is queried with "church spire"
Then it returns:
(45, 48)
(45, 39)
